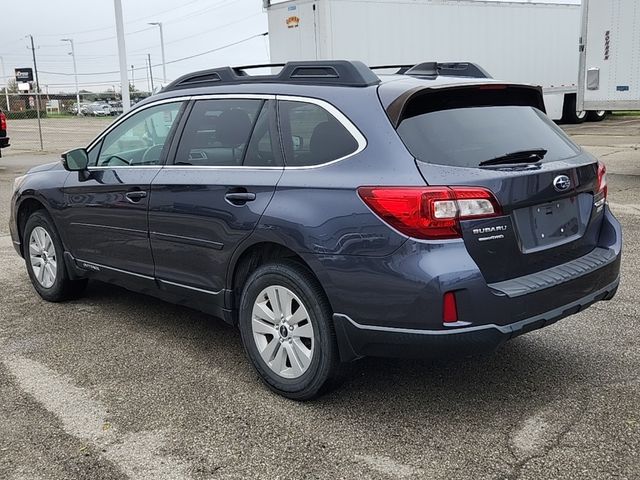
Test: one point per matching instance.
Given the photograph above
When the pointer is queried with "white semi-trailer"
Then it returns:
(521, 42)
(610, 55)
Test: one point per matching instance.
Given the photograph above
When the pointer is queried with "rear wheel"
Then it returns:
(43, 253)
(287, 330)
(569, 112)
(596, 116)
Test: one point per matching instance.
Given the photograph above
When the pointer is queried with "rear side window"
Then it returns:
(465, 137)
(217, 132)
(311, 135)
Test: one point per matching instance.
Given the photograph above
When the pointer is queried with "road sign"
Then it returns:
(24, 75)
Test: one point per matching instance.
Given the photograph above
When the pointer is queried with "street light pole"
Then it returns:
(6, 85)
(164, 62)
(122, 56)
(75, 72)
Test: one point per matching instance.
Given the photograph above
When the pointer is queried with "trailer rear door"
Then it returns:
(610, 55)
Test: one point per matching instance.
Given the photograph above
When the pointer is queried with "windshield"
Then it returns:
(466, 137)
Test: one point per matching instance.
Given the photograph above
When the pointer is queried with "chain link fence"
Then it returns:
(60, 126)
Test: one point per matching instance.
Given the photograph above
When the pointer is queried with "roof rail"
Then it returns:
(315, 72)
(435, 69)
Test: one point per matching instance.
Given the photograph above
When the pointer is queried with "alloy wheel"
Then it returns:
(43, 258)
(283, 331)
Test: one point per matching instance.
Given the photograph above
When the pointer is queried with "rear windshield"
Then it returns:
(465, 137)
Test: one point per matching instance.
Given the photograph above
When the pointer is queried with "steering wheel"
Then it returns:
(152, 154)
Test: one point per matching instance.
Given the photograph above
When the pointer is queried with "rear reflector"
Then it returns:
(430, 212)
(449, 309)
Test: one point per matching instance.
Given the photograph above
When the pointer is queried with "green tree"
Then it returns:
(12, 86)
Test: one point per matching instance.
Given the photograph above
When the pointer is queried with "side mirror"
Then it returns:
(75, 160)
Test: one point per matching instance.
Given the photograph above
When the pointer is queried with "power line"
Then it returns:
(177, 40)
(111, 37)
(219, 48)
(135, 20)
(264, 34)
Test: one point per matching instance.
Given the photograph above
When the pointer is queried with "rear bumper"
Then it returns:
(355, 340)
(4, 142)
(394, 305)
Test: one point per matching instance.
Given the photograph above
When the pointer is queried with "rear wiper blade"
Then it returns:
(522, 156)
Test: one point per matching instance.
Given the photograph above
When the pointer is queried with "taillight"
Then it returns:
(600, 197)
(430, 212)
(3, 121)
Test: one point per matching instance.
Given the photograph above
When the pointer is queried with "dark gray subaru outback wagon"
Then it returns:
(332, 213)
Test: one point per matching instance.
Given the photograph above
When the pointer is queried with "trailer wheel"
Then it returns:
(569, 113)
(597, 115)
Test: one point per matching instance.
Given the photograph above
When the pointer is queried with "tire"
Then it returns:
(597, 115)
(569, 114)
(304, 352)
(42, 246)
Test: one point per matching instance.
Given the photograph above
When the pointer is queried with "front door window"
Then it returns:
(139, 140)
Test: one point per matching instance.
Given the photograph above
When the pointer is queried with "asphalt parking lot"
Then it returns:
(117, 385)
(58, 134)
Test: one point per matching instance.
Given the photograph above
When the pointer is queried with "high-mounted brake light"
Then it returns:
(600, 197)
(430, 212)
(3, 121)
(493, 86)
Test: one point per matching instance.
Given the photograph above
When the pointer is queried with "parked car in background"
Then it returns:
(74, 108)
(116, 108)
(4, 139)
(96, 110)
(332, 213)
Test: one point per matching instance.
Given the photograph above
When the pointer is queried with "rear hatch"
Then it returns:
(549, 191)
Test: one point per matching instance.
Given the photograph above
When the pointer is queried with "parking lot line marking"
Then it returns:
(388, 466)
(624, 209)
(84, 417)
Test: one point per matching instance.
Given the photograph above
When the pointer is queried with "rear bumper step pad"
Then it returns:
(516, 287)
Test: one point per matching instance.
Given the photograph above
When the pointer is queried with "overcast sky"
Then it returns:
(191, 27)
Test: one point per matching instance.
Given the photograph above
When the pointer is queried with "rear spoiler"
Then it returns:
(467, 95)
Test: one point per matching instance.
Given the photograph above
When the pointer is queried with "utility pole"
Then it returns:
(164, 63)
(150, 72)
(122, 54)
(146, 70)
(35, 71)
(75, 71)
(6, 85)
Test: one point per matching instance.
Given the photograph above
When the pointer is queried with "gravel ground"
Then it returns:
(117, 385)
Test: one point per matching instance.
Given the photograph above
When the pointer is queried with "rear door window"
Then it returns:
(263, 148)
(465, 137)
(311, 135)
(217, 132)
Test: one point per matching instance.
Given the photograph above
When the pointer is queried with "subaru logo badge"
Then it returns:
(561, 183)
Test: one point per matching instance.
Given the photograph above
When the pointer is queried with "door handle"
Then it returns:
(240, 198)
(135, 196)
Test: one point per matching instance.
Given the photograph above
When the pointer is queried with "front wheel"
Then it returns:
(43, 253)
(287, 330)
